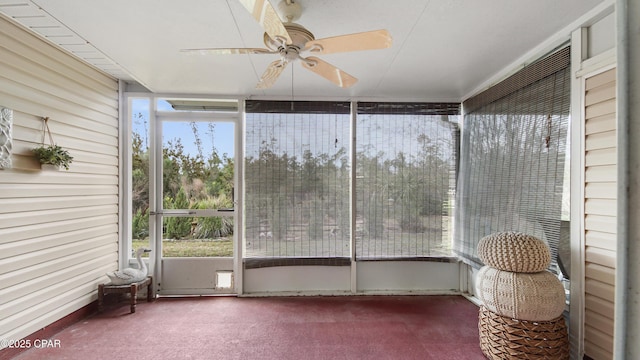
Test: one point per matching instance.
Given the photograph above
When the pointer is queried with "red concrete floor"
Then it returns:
(349, 327)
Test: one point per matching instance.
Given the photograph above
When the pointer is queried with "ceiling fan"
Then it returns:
(290, 40)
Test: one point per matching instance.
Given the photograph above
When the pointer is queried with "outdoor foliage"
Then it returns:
(190, 181)
(177, 227)
(214, 227)
(140, 224)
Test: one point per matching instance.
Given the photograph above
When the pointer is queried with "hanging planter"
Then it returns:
(51, 156)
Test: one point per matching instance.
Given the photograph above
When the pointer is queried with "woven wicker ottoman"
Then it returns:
(505, 338)
(524, 296)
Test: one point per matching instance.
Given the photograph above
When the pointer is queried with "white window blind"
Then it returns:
(405, 179)
(513, 149)
(297, 179)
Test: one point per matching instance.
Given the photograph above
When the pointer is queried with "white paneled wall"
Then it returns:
(600, 213)
(58, 229)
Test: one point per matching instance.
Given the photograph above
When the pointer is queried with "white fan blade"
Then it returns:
(329, 72)
(370, 40)
(268, 18)
(272, 73)
(228, 51)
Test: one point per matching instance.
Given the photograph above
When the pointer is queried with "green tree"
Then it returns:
(140, 225)
(177, 227)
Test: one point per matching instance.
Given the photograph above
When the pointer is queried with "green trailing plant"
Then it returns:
(53, 155)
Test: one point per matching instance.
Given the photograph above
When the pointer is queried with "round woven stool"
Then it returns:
(524, 296)
(505, 338)
(514, 252)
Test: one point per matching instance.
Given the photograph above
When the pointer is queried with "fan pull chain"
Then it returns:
(292, 72)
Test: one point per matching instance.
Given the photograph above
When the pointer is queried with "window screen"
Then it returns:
(297, 176)
(405, 179)
(513, 149)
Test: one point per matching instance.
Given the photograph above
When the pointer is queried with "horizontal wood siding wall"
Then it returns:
(58, 229)
(600, 213)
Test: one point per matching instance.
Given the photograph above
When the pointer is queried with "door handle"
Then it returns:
(189, 212)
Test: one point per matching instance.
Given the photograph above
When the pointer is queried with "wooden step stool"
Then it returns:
(123, 289)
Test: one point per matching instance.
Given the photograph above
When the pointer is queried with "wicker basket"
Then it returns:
(505, 338)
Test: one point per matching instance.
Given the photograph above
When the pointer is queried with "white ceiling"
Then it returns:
(442, 49)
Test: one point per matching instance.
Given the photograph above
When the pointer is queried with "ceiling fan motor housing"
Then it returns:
(299, 37)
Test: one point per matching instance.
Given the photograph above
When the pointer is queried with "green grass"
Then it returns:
(192, 248)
